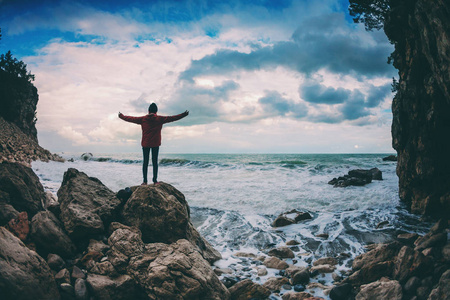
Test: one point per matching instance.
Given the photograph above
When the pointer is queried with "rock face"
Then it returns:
(20, 188)
(23, 273)
(421, 108)
(162, 215)
(358, 177)
(87, 206)
(176, 271)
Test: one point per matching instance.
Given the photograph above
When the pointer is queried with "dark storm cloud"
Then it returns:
(275, 104)
(317, 93)
(325, 42)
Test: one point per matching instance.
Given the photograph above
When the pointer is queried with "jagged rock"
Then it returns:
(163, 215)
(421, 106)
(247, 289)
(407, 238)
(282, 252)
(20, 226)
(290, 217)
(441, 292)
(275, 263)
(292, 243)
(381, 253)
(411, 263)
(87, 206)
(49, 235)
(175, 271)
(55, 262)
(86, 156)
(104, 268)
(282, 221)
(434, 240)
(274, 284)
(381, 289)
(390, 158)
(120, 288)
(358, 177)
(21, 187)
(23, 273)
(124, 244)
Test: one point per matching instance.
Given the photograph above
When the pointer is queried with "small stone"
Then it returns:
(322, 235)
(341, 292)
(67, 291)
(78, 273)
(274, 284)
(282, 252)
(63, 276)
(325, 260)
(299, 288)
(275, 263)
(55, 262)
(292, 243)
(80, 289)
(262, 271)
(245, 254)
(326, 268)
(300, 277)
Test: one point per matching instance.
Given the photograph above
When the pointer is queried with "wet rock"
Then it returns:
(87, 206)
(282, 252)
(300, 277)
(20, 226)
(229, 281)
(86, 156)
(80, 289)
(323, 235)
(381, 289)
(282, 221)
(163, 215)
(21, 188)
(25, 274)
(323, 268)
(341, 292)
(245, 254)
(299, 288)
(390, 158)
(46, 227)
(296, 296)
(247, 289)
(170, 271)
(326, 261)
(63, 276)
(292, 243)
(275, 263)
(358, 177)
(381, 253)
(120, 288)
(261, 271)
(301, 216)
(274, 284)
(382, 224)
(427, 241)
(55, 262)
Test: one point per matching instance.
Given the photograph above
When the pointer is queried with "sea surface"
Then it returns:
(234, 198)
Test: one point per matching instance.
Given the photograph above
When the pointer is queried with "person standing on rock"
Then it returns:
(151, 125)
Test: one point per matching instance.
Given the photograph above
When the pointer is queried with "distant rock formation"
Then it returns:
(420, 31)
(357, 177)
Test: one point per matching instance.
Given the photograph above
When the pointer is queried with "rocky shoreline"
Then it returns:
(139, 243)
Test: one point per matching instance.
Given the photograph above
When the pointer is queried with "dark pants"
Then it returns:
(146, 152)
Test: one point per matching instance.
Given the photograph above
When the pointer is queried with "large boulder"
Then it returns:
(176, 271)
(21, 188)
(23, 273)
(162, 215)
(410, 263)
(49, 235)
(87, 206)
(120, 288)
(381, 289)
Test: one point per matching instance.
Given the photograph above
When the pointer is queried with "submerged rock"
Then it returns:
(290, 217)
(390, 158)
(23, 273)
(358, 177)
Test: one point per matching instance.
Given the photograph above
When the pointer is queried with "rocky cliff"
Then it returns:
(18, 135)
(420, 30)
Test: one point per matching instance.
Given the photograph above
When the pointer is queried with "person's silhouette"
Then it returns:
(151, 125)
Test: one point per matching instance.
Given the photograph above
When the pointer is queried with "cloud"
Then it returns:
(318, 93)
(76, 137)
(275, 104)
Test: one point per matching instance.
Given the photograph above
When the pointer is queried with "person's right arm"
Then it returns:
(174, 118)
(136, 120)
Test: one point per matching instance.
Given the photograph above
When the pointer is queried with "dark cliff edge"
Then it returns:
(420, 30)
(18, 135)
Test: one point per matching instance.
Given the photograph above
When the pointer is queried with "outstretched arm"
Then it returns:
(175, 118)
(136, 120)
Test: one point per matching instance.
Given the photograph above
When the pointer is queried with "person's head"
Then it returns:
(153, 109)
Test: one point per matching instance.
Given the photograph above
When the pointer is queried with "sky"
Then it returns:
(257, 76)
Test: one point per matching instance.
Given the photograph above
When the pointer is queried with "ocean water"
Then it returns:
(234, 198)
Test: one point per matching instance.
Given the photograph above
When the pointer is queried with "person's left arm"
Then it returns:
(169, 119)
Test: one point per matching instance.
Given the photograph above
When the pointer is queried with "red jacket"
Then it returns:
(151, 125)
